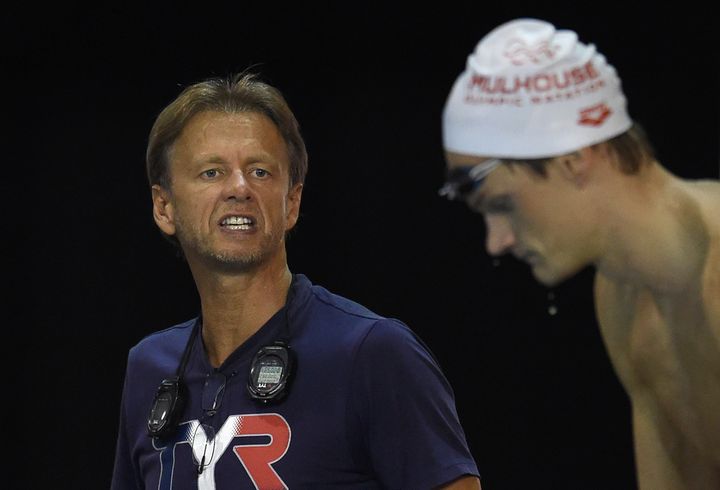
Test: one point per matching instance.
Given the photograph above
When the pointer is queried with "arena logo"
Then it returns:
(595, 115)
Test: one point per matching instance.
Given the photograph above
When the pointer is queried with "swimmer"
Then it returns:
(564, 178)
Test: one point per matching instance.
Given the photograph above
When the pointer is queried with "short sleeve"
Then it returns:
(411, 431)
(124, 474)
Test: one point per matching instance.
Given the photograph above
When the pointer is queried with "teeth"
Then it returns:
(237, 223)
(237, 220)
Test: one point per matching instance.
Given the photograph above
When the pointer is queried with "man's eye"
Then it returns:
(260, 172)
(493, 205)
(499, 205)
(210, 173)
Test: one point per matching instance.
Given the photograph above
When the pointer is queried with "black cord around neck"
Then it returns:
(188, 348)
(285, 334)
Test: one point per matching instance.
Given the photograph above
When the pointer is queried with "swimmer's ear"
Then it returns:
(578, 166)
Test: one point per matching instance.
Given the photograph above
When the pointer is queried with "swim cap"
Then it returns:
(531, 91)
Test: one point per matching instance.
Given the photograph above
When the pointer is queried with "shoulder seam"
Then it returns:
(374, 316)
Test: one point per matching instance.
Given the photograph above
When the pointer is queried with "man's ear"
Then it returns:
(578, 166)
(293, 206)
(163, 210)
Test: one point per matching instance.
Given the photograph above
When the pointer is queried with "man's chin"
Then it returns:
(235, 262)
(226, 261)
(547, 277)
(551, 276)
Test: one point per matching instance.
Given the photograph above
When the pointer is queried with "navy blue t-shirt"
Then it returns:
(368, 408)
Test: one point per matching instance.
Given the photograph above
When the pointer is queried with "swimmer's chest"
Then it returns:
(673, 356)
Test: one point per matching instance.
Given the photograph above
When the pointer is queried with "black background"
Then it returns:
(90, 275)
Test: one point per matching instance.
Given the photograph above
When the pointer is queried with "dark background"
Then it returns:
(90, 275)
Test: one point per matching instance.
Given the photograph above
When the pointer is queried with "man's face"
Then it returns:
(542, 221)
(229, 202)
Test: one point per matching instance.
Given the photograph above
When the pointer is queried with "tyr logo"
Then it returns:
(257, 459)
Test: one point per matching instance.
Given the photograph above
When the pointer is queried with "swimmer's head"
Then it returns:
(531, 91)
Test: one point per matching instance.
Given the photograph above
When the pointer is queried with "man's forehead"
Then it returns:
(456, 160)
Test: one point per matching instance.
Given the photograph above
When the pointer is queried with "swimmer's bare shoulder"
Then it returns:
(707, 193)
(662, 350)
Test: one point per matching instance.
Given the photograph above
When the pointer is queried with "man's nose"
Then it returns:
(500, 236)
(236, 186)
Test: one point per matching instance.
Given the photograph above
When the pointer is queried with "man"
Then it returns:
(278, 383)
(538, 140)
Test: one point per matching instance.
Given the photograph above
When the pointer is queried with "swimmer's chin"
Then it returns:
(549, 277)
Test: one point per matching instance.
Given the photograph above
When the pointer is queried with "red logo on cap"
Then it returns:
(595, 115)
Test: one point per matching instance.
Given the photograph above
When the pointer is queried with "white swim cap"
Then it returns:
(531, 91)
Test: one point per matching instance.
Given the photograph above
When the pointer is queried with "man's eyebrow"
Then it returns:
(209, 158)
(256, 158)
